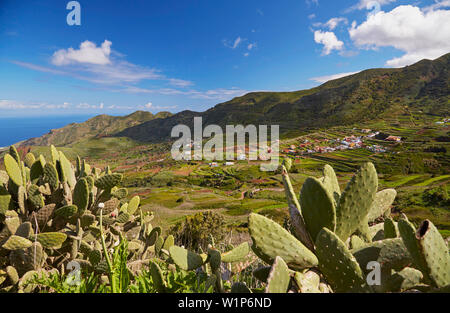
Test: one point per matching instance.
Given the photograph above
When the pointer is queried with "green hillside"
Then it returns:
(96, 127)
(371, 94)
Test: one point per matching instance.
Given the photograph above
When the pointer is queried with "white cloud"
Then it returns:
(180, 82)
(20, 105)
(88, 53)
(369, 4)
(437, 5)
(246, 54)
(235, 43)
(407, 28)
(148, 105)
(87, 106)
(324, 79)
(332, 23)
(329, 40)
(250, 46)
(211, 94)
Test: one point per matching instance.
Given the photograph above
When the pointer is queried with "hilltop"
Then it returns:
(96, 127)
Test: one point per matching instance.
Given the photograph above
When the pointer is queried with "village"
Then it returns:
(324, 145)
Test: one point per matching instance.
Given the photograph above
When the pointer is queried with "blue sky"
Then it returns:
(176, 55)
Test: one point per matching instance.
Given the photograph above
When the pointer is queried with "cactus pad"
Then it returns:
(273, 240)
(279, 278)
(318, 206)
(356, 200)
(50, 239)
(108, 181)
(236, 254)
(185, 259)
(13, 170)
(16, 243)
(338, 265)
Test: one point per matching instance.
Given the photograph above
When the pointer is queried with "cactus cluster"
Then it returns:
(50, 214)
(335, 236)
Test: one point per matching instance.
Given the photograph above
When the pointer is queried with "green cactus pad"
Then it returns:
(381, 204)
(338, 265)
(66, 211)
(157, 277)
(35, 197)
(120, 193)
(6, 202)
(13, 170)
(12, 275)
(390, 229)
(318, 206)
(108, 181)
(24, 230)
(51, 176)
(13, 152)
(279, 278)
(50, 239)
(185, 259)
(29, 159)
(123, 217)
(237, 254)
(81, 195)
(16, 243)
(297, 221)
(356, 242)
(133, 205)
(158, 245)
(405, 279)
(390, 253)
(429, 251)
(356, 200)
(214, 259)
(307, 282)
(67, 172)
(54, 154)
(87, 220)
(44, 215)
(331, 182)
(169, 242)
(273, 240)
(37, 169)
(28, 259)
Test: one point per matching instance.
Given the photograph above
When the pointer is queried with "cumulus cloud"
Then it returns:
(148, 105)
(418, 33)
(324, 79)
(100, 65)
(87, 53)
(329, 40)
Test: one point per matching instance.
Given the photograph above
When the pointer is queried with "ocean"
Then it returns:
(15, 129)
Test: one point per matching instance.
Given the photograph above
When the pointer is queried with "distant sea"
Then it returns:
(15, 129)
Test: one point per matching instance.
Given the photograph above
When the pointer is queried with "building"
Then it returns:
(393, 138)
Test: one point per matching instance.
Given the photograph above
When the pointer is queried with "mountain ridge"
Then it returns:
(369, 94)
